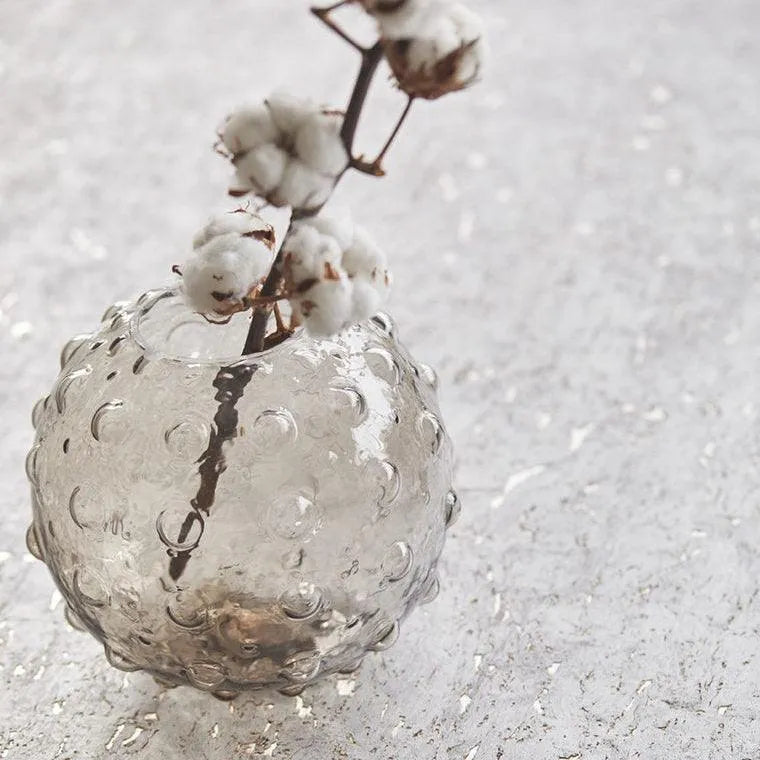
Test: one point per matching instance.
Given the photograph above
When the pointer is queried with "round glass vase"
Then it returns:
(235, 523)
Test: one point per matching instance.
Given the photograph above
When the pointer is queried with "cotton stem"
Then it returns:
(375, 168)
(323, 14)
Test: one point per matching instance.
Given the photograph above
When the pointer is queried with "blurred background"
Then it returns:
(574, 243)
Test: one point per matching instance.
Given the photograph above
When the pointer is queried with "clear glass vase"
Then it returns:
(237, 523)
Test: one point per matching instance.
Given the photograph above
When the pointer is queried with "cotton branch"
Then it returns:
(432, 49)
(323, 14)
(291, 152)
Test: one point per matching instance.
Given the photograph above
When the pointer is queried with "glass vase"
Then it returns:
(233, 523)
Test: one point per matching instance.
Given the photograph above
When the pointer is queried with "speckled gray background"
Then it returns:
(575, 245)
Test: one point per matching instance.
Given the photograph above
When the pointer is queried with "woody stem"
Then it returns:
(395, 132)
(323, 14)
(375, 168)
(278, 318)
(371, 58)
(254, 341)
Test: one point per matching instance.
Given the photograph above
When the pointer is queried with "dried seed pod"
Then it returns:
(231, 254)
(334, 272)
(433, 48)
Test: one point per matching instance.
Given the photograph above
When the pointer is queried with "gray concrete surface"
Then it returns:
(575, 244)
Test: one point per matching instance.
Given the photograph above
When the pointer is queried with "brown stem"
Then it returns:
(370, 61)
(375, 168)
(254, 341)
(230, 382)
(366, 167)
(379, 160)
(323, 14)
(335, 6)
(278, 318)
(262, 300)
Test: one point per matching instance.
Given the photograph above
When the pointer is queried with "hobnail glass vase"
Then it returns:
(235, 523)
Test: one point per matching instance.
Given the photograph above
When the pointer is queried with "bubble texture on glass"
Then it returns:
(329, 514)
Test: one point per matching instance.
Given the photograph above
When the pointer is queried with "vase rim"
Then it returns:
(157, 345)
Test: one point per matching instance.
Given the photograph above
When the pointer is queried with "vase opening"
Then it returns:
(167, 327)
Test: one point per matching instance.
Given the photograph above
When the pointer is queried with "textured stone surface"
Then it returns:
(592, 213)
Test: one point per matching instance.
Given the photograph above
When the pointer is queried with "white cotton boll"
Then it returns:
(421, 54)
(446, 31)
(263, 167)
(301, 249)
(329, 256)
(366, 300)
(216, 278)
(472, 61)
(247, 128)
(445, 28)
(326, 307)
(239, 186)
(303, 239)
(252, 256)
(364, 258)
(310, 255)
(240, 222)
(338, 224)
(289, 111)
(333, 282)
(318, 143)
(302, 187)
(365, 263)
(404, 22)
(258, 255)
(471, 32)
(469, 24)
(436, 43)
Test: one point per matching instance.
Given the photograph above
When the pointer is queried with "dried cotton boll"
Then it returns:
(335, 273)
(289, 112)
(241, 222)
(214, 286)
(248, 128)
(321, 292)
(232, 253)
(262, 168)
(469, 25)
(300, 255)
(366, 300)
(366, 265)
(364, 258)
(302, 240)
(424, 52)
(298, 162)
(470, 33)
(302, 187)
(319, 145)
(309, 256)
(444, 54)
(218, 277)
(398, 20)
(326, 307)
(239, 186)
(338, 224)
(253, 256)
